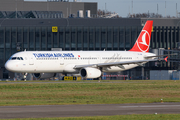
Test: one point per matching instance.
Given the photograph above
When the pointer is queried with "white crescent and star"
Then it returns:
(139, 43)
(144, 40)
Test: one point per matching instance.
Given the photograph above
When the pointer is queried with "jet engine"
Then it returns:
(90, 72)
(44, 75)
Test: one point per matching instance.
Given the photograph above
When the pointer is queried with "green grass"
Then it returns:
(106, 92)
(118, 117)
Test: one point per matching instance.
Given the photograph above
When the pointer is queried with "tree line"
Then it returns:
(136, 15)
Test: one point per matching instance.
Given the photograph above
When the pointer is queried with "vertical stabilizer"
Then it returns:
(143, 42)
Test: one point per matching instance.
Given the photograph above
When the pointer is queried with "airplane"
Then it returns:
(89, 64)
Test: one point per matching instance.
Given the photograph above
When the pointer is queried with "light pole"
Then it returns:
(16, 9)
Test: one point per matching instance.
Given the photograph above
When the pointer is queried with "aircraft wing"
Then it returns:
(119, 64)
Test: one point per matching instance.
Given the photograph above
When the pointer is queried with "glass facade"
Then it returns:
(82, 38)
(13, 39)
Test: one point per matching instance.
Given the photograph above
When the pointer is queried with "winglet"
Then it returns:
(166, 58)
(143, 42)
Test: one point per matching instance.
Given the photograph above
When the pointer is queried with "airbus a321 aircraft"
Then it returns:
(89, 64)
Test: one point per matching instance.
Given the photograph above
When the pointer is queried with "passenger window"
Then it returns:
(21, 58)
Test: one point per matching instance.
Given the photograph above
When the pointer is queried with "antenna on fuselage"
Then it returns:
(25, 50)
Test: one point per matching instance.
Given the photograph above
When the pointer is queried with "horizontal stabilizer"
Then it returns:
(158, 56)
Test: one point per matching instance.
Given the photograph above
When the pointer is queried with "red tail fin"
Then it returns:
(143, 42)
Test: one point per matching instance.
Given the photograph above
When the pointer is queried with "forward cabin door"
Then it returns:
(31, 59)
(61, 64)
(61, 61)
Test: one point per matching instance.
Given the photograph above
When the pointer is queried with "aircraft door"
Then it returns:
(31, 59)
(61, 61)
(137, 57)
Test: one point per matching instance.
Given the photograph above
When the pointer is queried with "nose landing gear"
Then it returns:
(24, 76)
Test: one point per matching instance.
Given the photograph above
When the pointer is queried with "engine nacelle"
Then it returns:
(90, 72)
(44, 75)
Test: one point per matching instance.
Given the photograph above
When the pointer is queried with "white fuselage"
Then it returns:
(65, 61)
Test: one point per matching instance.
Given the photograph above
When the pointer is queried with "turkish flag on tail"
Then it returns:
(143, 42)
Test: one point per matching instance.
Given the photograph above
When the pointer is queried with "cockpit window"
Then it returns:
(13, 58)
(16, 58)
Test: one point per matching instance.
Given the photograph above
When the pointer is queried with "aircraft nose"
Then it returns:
(8, 66)
(12, 66)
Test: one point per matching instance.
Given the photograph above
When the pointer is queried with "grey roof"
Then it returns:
(87, 22)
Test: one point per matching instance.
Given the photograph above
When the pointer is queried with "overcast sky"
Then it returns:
(123, 7)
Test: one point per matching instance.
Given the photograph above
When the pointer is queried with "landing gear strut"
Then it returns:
(25, 76)
(100, 78)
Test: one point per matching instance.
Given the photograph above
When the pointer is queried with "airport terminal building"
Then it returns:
(43, 29)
